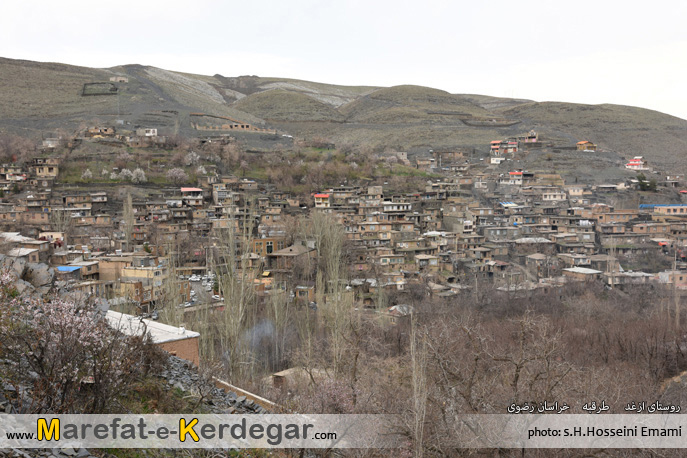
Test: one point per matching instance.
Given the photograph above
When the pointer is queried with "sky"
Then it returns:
(583, 51)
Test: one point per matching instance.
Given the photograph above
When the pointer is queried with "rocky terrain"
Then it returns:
(182, 375)
(29, 278)
(178, 374)
(47, 453)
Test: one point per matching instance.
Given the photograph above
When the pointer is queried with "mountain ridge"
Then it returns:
(36, 97)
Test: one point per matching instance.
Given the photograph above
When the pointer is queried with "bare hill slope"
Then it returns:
(628, 130)
(38, 97)
(285, 105)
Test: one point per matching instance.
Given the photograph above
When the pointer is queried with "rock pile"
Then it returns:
(182, 375)
(178, 373)
(46, 453)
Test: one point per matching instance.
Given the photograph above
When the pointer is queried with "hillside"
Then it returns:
(37, 98)
(283, 105)
(410, 104)
(629, 130)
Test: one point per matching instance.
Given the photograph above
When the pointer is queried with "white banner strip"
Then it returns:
(197, 431)
(571, 431)
(339, 431)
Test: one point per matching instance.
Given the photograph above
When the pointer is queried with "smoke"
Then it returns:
(256, 336)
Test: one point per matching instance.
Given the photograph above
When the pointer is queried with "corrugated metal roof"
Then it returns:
(159, 332)
(68, 268)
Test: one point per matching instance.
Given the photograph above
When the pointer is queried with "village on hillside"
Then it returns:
(520, 231)
(305, 277)
(351, 236)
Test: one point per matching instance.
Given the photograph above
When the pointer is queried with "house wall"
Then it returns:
(111, 270)
(185, 349)
(580, 276)
(671, 209)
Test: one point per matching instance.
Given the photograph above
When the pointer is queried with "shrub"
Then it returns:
(177, 176)
(126, 174)
(191, 158)
(65, 354)
(138, 176)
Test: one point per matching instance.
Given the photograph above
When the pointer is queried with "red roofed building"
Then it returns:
(515, 178)
(192, 197)
(322, 201)
(504, 146)
(586, 145)
(637, 163)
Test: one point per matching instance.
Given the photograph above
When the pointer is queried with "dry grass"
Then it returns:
(31, 89)
(411, 104)
(283, 105)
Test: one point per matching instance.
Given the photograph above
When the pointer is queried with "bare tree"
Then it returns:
(14, 148)
(228, 331)
(418, 360)
(128, 219)
(281, 310)
(61, 221)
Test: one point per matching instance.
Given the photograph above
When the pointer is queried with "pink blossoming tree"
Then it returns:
(64, 356)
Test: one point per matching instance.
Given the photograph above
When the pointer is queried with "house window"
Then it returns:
(270, 247)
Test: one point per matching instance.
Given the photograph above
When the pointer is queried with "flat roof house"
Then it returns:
(177, 341)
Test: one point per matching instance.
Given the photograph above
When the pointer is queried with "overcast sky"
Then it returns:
(579, 51)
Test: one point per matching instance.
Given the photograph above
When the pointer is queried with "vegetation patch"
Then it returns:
(101, 88)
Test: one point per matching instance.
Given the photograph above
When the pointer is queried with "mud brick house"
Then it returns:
(27, 254)
(586, 145)
(45, 167)
(322, 200)
(582, 273)
(286, 258)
